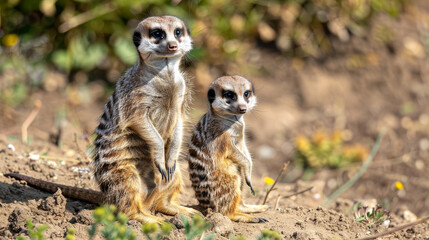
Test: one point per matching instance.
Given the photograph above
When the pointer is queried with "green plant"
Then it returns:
(36, 233)
(325, 150)
(70, 234)
(196, 227)
(114, 224)
(152, 232)
(269, 235)
(371, 216)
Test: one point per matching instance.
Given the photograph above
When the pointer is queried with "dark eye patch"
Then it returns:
(157, 33)
(178, 32)
(229, 95)
(247, 94)
(211, 95)
(137, 38)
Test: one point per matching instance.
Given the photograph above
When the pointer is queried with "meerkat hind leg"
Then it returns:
(131, 203)
(248, 208)
(242, 217)
(165, 200)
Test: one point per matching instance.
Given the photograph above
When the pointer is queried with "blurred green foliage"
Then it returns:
(324, 150)
(114, 224)
(35, 233)
(85, 35)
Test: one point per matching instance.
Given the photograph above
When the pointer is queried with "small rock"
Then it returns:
(177, 221)
(34, 157)
(11, 147)
(18, 218)
(85, 217)
(36, 167)
(409, 216)
(420, 165)
(222, 225)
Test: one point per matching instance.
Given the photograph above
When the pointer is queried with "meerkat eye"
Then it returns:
(157, 33)
(247, 94)
(229, 95)
(178, 32)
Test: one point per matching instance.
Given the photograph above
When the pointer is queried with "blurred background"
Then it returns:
(330, 75)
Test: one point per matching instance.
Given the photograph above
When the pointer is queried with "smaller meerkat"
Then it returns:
(218, 156)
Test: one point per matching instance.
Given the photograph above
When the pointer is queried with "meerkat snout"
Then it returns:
(231, 95)
(172, 46)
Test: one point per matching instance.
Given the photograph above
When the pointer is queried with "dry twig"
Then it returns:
(60, 159)
(79, 150)
(29, 120)
(291, 195)
(275, 182)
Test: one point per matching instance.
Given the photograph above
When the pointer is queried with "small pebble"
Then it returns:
(34, 157)
(11, 147)
(317, 196)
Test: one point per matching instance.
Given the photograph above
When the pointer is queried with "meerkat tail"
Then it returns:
(86, 195)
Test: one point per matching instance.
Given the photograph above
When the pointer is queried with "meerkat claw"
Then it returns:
(162, 171)
(249, 183)
(171, 172)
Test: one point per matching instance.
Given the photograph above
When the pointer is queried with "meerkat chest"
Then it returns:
(165, 104)
(167, 94)
(237, 137)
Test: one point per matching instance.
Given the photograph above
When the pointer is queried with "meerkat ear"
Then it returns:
(137, 38)
(211, 95)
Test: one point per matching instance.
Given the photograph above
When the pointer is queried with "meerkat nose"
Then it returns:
(243, 110)
(172, 46)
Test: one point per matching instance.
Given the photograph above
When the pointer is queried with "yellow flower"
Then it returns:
(399, 185)
(319, 138)
(10, 40)
(337, 137)
(269, 181)
(302, 144)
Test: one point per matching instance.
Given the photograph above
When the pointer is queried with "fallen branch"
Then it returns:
(275, 182)
(291, 195)
(86, 17)
(300, 192)
(29, 120)
(398, 228)
(359, 174)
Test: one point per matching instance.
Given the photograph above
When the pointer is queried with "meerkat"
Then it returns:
(219, 161)
(139, 136)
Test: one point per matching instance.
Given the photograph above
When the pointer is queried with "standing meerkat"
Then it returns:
(140, 132)
(219, 161)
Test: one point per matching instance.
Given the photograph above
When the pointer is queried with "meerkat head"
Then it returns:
(162, 36)
(231, 95)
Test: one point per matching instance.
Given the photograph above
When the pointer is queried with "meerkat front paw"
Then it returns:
(260, 220)
(249, 183)
(170, 171)
(162, 171)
